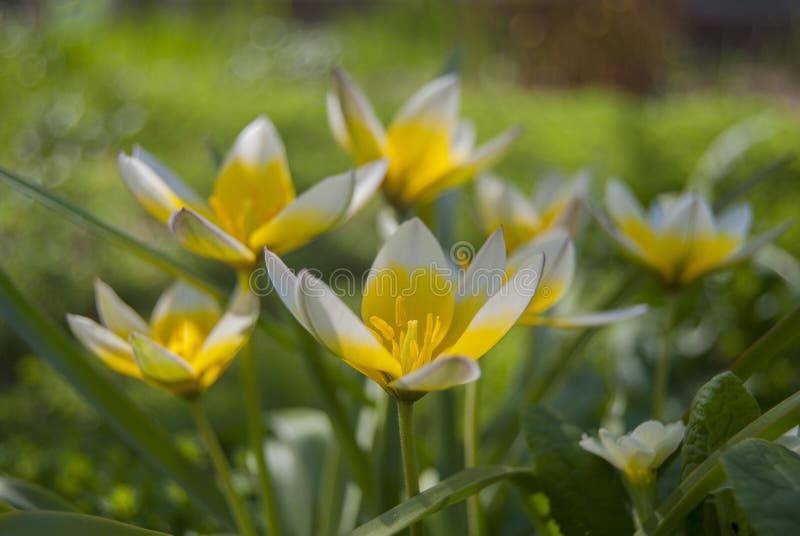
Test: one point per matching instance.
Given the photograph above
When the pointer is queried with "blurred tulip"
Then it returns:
(253, 204)
(429, 148)
(424, 323)
(184, 348)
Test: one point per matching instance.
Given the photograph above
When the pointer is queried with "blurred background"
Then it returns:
(654, 92)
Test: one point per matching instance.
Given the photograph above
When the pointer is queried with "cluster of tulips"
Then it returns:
(425, 318)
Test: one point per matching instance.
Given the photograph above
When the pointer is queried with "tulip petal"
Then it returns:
(481, 158)
(463, 141)
(353, 121)
(158, 363)
(115, 314)
(736, 220)
(438, 375)
(590, 320)
(436, 103)
(621, 204)
(286, 285)
(148, 188)
(171, 179)
(316, 210)
(230, 333)
(340, 330)
(689, 217)
(199, 235)
(501, 203)
(559, 266)
(181, 298)
(500, 312)
(368, 180)
(105, 344)
(754, 244)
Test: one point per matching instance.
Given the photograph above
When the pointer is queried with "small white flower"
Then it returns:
(640, 451)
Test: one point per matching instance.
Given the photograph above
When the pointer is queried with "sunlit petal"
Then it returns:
(559, 266)
(286, 285)
(115, 314)
(230, 333)
(443, 373)
(200, 236)
(754, 244)
(148, 188)
(353, 121)
(181, 299)
(501, 203)
(106, 345)
(158, 363)
(589, 320)
(188, 195)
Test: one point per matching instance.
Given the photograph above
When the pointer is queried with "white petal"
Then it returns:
(501, 202)
(106, 345)
(199, 235)
(257, 144)
(115, 314)
(148, 188)
(352, 119)
(636, 452)
(590, 320)
(752, 246)
(487, 271)
(312, 213)
(338, 328)
(615, 454)
(463, 141)
(183, 298)
(368, 180)
(387, 223)
(438, 375)
(286, 285)
(435, 103)
(621, 203)
(590, 444)
(559, 261)
(412, 246)
(231, 332)
(689, 217)
(158, 363)
(500, 312)
(171, 179)
(736, 220)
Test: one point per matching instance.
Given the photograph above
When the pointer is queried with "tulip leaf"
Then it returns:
(66, 524)
(584, 493)
(720, 408)
(708, 475)
(765, 478)
(143, 433)
(22, 495)
(446, 493)
(773, 344)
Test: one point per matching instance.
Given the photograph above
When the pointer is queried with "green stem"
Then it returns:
(663, 365)
(255, 431)
(221, 465)
(471, 441)
(405, 413)
(642, 491)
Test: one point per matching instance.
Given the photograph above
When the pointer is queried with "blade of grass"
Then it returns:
(762, 353)
(66, 524)
(50, 342)
(769, 170)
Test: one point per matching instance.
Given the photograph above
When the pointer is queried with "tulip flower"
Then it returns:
(185, 347)
(421, 327)
(253, 203)
(555, 203)
(429, 148)
(680, 238)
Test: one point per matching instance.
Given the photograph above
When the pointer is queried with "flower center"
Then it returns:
(402, 336)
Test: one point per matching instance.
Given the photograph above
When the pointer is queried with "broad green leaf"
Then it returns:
(766, 482)
(720, 408)
(584, 492)
(66, 524)
(22, 495)
(50, 342)
(446, 493)
(762, 354)
(708, 475)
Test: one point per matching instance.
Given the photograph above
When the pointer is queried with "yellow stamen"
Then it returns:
(406, 354)
(382, 327)
(400, 316)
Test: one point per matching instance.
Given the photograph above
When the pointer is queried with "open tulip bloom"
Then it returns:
(680, 238)
(423, 322)
(429, 148)
(555, 203)
(254, 203)
(184, 348)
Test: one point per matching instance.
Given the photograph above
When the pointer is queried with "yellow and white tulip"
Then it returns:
(186, 346)
(253, 203)
(639, 453)
(555, 203)
(680, 238)
(423, 322)
(429, 148)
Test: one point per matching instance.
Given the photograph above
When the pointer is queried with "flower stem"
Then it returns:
(221, 465)
(255, 430)
(663, 364)
(642, 491)
(471, 441)
(405, 413)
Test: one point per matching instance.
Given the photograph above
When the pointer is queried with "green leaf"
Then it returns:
(22, 495)
(585, 493)
(720, 408)
(766, 482)
(446, 493)
(64, 524)
(762, 354)
(708, 475)
(727, 197)
(49, 341)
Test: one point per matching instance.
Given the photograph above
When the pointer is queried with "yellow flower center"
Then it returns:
(402, 336)
(184, 334)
